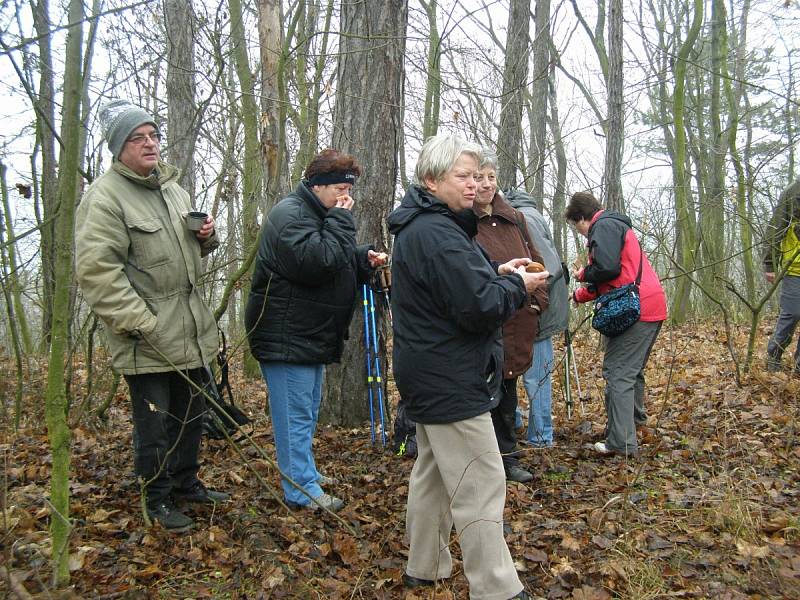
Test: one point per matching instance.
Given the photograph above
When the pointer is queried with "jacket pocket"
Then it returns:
(150, 243)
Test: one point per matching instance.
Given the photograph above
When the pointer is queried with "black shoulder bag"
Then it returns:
(617, 310)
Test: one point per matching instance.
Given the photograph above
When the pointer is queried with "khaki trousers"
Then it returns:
(458, 478)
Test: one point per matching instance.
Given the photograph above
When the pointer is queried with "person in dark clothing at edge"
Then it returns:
(502, 232)
(613, 261)
(783, 251)
(301, 302)
(449, 302)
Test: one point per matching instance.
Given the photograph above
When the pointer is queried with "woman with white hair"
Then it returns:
(449, 302)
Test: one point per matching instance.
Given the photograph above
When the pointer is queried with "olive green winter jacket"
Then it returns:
(139, 266)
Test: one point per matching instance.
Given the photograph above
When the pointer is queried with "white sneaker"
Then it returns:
(601, 448)
(332, 503)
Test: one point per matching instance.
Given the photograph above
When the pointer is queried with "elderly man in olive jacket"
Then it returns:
(138, 266)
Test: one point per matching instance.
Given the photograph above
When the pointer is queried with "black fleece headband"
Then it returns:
(333, 177)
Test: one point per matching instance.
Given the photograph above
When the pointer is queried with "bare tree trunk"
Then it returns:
(560, 192)
(433, 84)
(515, 74)
(370, 71)
(13, 305)
(684, 221)
(539, 93)
(45, 121)
(55, 395)
(251, 161)
(274, 99)
(616, 110)
(182, 114)
(12, 275)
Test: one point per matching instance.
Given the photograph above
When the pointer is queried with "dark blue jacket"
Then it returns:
(305, 280)
(448, 306)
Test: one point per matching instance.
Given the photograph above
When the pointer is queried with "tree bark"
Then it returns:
(433, 83)
(251, 161)
(539, 93)
(45, 121)
(368, 100)
(182, 115)
(684, 221)
(615, 133)
(515, 74)
(55, 395)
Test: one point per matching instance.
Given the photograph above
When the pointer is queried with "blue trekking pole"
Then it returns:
(369, 366)
(377, 364)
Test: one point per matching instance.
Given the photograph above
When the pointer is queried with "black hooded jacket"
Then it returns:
(305, 280)
(605, 240)
(448, 306)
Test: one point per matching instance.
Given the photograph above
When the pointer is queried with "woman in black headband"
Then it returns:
(300, 306)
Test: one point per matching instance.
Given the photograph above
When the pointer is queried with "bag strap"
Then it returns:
(641, 260)
(222, 361)
(519, 218)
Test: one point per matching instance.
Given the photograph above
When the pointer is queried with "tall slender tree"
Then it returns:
(615, 132)
(684, 221)
(539, 95)
(368, 99)
(515, 74)
(55, 396)
(182, 113)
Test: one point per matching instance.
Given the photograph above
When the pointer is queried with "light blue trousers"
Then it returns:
(294, 396)
(538, 382)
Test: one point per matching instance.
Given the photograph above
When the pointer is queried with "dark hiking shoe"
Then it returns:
(199, 493)
(518, 474)
(170, 517)
(523, 595)
(774, 363)
(415, 582)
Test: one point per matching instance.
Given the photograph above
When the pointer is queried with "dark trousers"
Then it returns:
(787, 320)
(167, 425)
(504, 417)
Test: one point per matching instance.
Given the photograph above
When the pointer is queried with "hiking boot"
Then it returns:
(415, 582)
(200, 494)
(774, 362)
(332, 503)
(523, 595)
(170, 517)
(518, 474)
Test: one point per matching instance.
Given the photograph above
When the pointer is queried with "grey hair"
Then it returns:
(488, 159)
(438, 155)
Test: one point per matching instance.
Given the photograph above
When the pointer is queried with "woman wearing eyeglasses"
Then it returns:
(300, 306)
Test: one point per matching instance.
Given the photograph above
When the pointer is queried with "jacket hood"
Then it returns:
(518, 198)
(164, 173)
(610, 214)
(417, 201)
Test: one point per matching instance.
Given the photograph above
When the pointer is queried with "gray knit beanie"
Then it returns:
(118, 119)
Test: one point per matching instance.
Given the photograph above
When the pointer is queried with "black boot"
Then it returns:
(169, 516)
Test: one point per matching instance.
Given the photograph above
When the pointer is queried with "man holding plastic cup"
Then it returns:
(138, 263)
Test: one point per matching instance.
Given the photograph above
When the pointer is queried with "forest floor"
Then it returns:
(711, 510)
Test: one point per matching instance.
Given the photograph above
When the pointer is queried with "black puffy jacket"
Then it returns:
(305, 280)
(448, 306)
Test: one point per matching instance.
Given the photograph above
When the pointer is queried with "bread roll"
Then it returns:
(534, 267)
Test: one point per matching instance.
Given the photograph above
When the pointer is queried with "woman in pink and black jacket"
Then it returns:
(614, 256)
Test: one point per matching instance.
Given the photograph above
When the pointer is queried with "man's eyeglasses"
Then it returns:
(141, 138)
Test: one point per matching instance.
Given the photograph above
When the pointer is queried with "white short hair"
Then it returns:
(438, 155)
